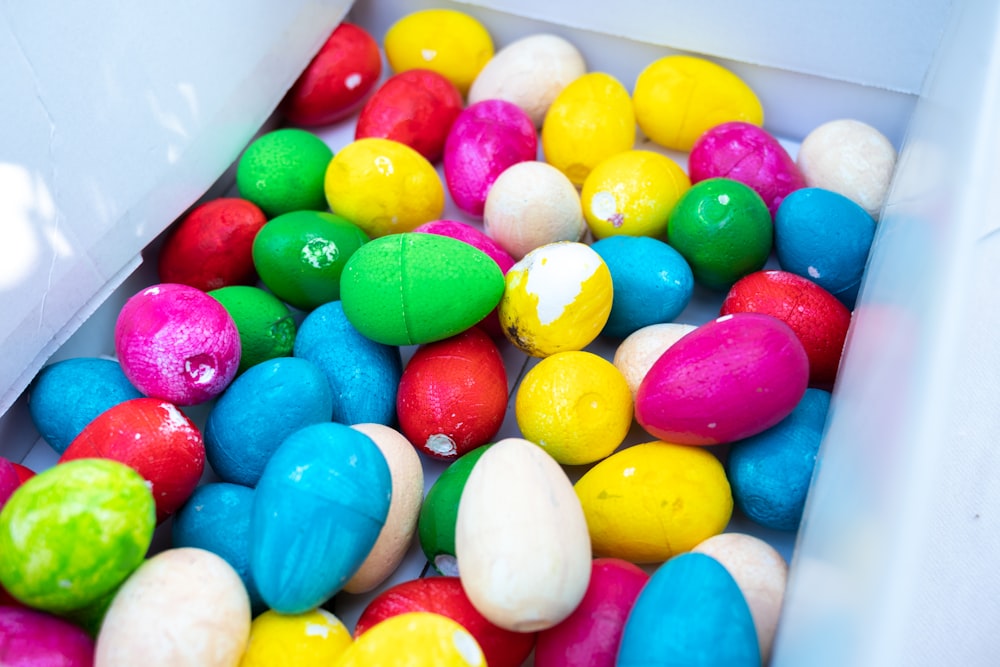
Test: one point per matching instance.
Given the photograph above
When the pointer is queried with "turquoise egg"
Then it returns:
(691, 612)
(269, 402)
(317, 511)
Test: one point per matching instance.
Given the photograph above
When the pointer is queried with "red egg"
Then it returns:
(415, 107)
(24, 472)
(445, 596)
(212, 246)
(154, 438)
(452, 395)
(9, 480)
(817, 317)
(337, 80)
(589, 637)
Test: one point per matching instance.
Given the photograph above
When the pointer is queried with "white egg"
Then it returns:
(637, 353)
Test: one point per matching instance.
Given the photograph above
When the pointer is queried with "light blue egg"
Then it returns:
(216, 518)
(364, 374)
(652, 282)
(318, 509)
(67, 395)
(691, 612)
(258, 410)
(826, 237)
(770, 472)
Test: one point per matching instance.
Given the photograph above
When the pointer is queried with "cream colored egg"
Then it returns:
(530, 73)
(400, 525)
(636, 354)
(760, 572)
(182, 607)
(531, 204)
(521, 538)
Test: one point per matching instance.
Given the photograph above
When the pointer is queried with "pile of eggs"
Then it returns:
(345, 338)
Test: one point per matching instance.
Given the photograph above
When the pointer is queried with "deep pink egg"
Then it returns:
(9, 480)
(729, 379)
(31, 638)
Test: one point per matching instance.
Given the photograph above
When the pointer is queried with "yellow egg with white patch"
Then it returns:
(414, 638)
(556, 298)
(311, 639)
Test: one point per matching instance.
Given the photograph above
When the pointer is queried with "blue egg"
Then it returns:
(318, 509)
(364, 374)
(691, 612)
(270, 401)
(770, 472)
(216, 518)
(826, 237)
(652, 282)
(67, 395)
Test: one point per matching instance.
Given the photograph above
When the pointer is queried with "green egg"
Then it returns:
(412, 288)
(264, 322)
(283, 171)
(74, 532)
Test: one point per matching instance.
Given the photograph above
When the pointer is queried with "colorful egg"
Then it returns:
(217, 518)
(590, 120)
(485, 139)
(176, 343)
(439, 512)
(318, 509)
(691, 612)
(9, 480)
(311, 639)
(409, 289)
(558, 297)
(529, 72)
(414, 638)
(635, 355)
(265, 324)
(449, 42)
(282, 171)
(445, 596)
(67, 395)
(733, 377)
(651, 501)
(652, 282)
(521, 580)
(261, 408)
(211, 246)
(771, 471)
(416, 107)
(300, 256)
(30, 638)
(396, 536)
(183, 606)
(825, 237)
(632, 193)
(452, 395)
(531, 204)
(746, 153)
(337, 80)
(723, 229)
(383, 186)
(590, 636)
(156, 439)
(74, 532)
(363, 374)
(818, 319)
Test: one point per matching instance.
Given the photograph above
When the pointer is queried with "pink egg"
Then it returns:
(177, 343)
(30, 638)
(730, 378)
(746, 153)
(9, 480)
(486, 138)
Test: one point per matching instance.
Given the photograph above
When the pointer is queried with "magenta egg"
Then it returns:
(486, 138)
(749, 154)
(30, 638)
(729, 379)
(177, 343)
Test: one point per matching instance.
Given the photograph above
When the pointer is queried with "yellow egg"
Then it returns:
(590, 120)
(557, 297)
(654, 500)
(383, 186)
(449, 42)
(677, 98)
(411, 639)
(632, 193)
(313, 639)
(576, 405)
